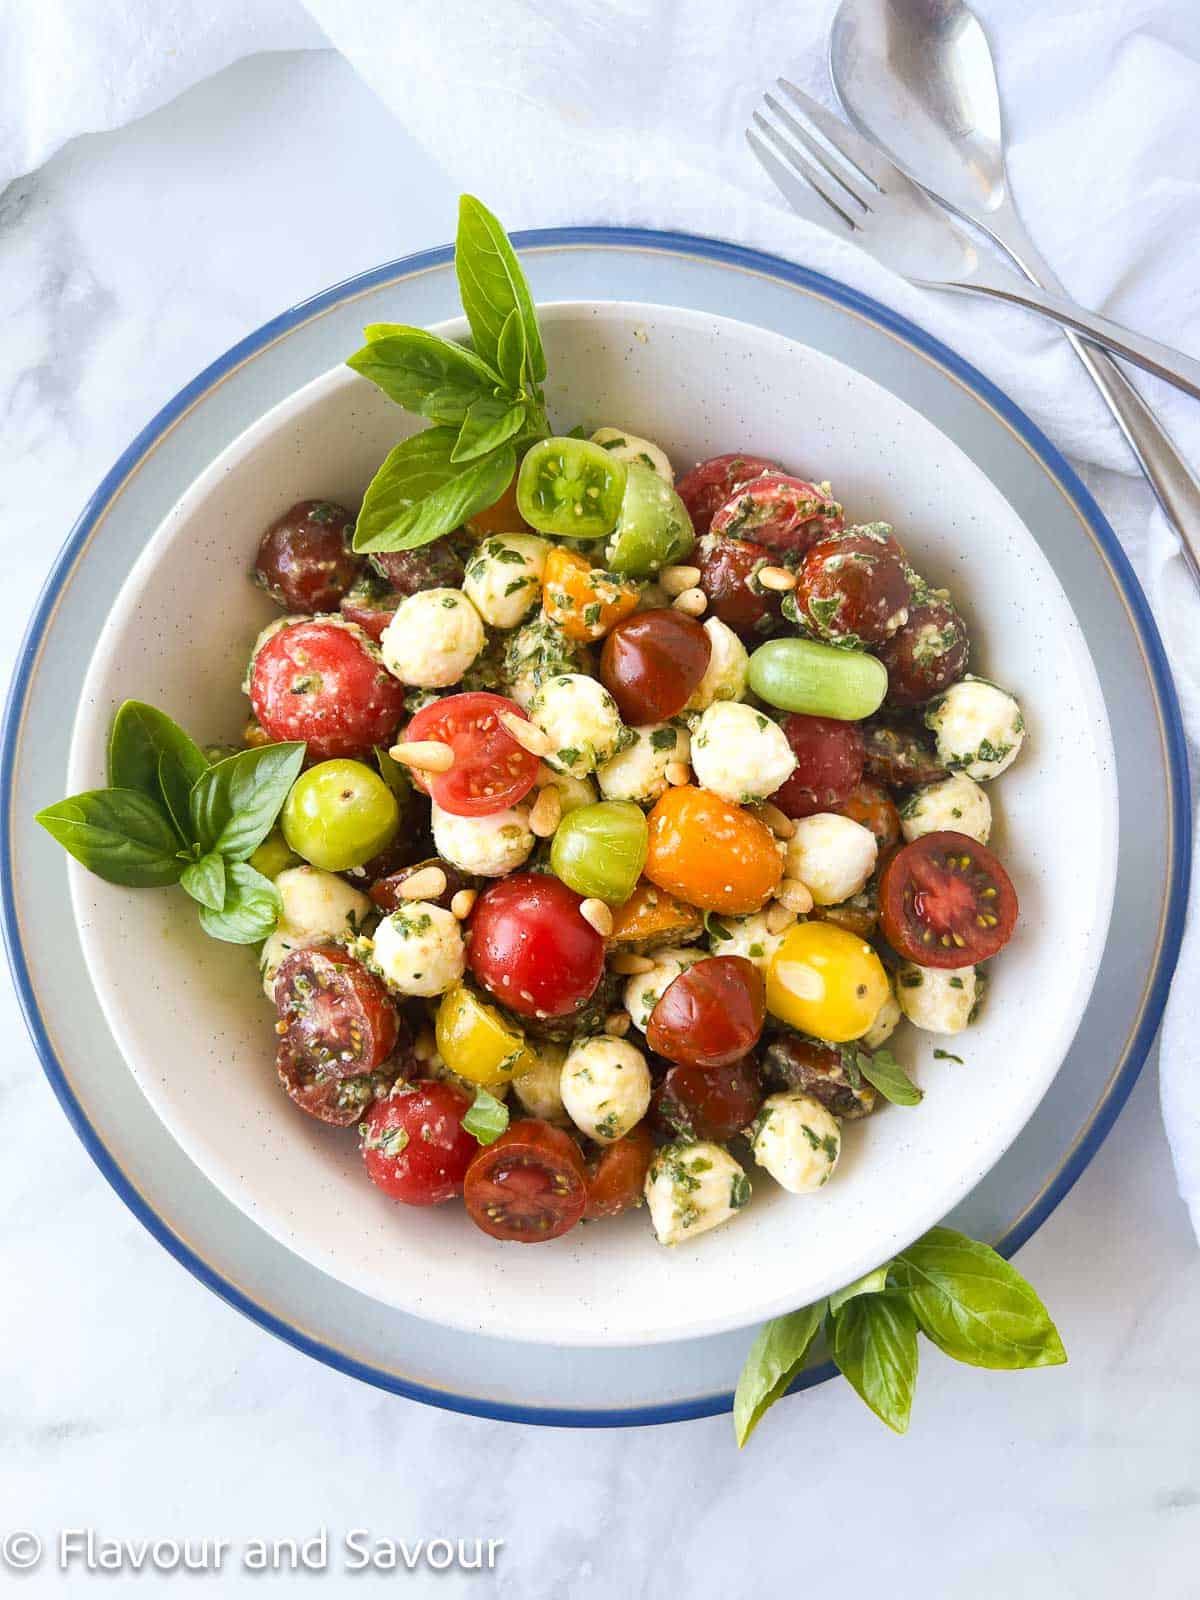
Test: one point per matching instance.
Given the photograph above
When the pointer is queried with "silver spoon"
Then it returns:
(917, 77)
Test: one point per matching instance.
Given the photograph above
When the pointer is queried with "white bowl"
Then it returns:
(188, 1013)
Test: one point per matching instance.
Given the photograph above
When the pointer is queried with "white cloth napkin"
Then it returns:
(632, 111)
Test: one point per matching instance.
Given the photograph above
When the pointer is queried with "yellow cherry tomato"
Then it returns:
(826, 982)
(475, 1041)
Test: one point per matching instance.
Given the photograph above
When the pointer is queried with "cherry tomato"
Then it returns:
(386, 891)
(711, 853)
(926, 655)
(339, 814)
(653, 531)
(583, 600)
(899, 753)
(371, 605)
(945, 901)
(600, 850)
(414, 1145)
(491, 770)
(305, 562)
(651, 664)
(871, 804)
(829, 764)
(853, 589)
(826, 982)
(475, 1041)
(786, 514)
(711, 1015)
(324, 1095)
(530, 948)
(436, 565)
(708, 1102)
(501, 516)
(531, 1185)
(324, 682)
(651, 918)
(706, 488)
(571, 487)
(338, 1016)
(824, 1071)
(617, 1177)
(727, 569)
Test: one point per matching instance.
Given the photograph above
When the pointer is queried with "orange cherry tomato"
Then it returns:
(710, 853)
(584, 600)
(501, 516)
(650, 918)
(617, 1175)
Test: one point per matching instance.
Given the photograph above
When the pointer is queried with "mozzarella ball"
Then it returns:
(582, 719)
(639, 772)
(728, 669)
(539, 1089)
(957, 803)
(533, 655)
(645, 989)
(887, 1020)
(433, 638)
(605, 1087)
(573, 793)
(626, 446)
(938, 999)
(978, 727)
(317, 906)
(504, 577)
(486, 847)
(420, 949)
(797, 1140)
(739, 753)
(833, 856)
(691, 1188)
(744, 936)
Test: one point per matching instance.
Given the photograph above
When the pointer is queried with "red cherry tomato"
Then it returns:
(652, 663)
(853, 589)
(708, 1102)
(531, 1185)
(437, 565)
(705, 489)
(414, 1145)
(945, 901)
(321, 1093)
(323, 681)
(711, 1015)
(305, 562)
(338, 1015)
(829, 764)
(871, 804)
(491, 770)
(926, 655)
(727, 568)
(371, 605)
(617, 1176)
(786, 514)
(531, 949)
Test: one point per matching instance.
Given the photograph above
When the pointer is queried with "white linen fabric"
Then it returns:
(633, 111)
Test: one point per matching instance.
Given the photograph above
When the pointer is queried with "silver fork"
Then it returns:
(869, 201)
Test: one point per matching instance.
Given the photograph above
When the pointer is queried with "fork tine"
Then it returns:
(798, 194)
(814, 175)
(851, 146)
(844, 174)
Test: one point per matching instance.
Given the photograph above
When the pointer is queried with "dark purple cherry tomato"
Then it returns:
(727, 568)
(305, 562)
(829, 764)
(854, 588)
(708, 1102)
(926, 655)
(711, 1015)
(437, 565)
(652, 663)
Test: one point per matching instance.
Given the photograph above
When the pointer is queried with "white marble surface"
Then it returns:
(132, 1400)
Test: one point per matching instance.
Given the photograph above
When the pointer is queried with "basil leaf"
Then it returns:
(487, 1118)
(974, 1305)
(394, 775)
(491, 284)
(418, 494)
(883, 1072)
(871, 1283)
(204, 880)
(487, 425)
(510, 351)
(119, 834)
(775, 1358)
(251, 908)
(150, 752)
(424, 373)
(875, 1348)
(235, 803)
(713, 926)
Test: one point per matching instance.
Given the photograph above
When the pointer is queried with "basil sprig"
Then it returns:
(170, 816)
(975, 1306)
(486, 404)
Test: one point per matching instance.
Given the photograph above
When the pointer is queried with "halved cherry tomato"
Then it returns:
(585, 601)
(945, 901)
(727, 569)
(706, 488)
(491, 770)
(571, 488)
(708, 1102)
(652, 662)
(476, 1042)
(414, 1145)
(652, 917)
(899, 753)
(711, 1015)
(305, 562)
(529, 1186)
(324, 1095)
(829, 763)
(827, 1072)
(324, 681)
(531, 949)
(871, 804)
(786, 514)
(711, 853)
(338, 1016)
(617, 1176)
(926, 655)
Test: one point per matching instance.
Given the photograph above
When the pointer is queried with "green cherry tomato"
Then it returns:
(818, 679)
(273, 855)
(600, 850)
(339, 814)
(654, 529)
(572, 488)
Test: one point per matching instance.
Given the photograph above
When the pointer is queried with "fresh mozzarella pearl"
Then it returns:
(539, 1087)
(433, 638)
(745, 936)
(979, 728)
(691, 1188)
(317, 906)
(739, 753)
(486, 847)
(887, 1020)
(833, 856)
(639, 772)
(626, 446)
(728, 668)
(938, 999)
(504, 577)
(533, 655)
(797, 1140)
(956, 803)
(420, 949)
(582, 718)
(646, 989)
(605, 1087)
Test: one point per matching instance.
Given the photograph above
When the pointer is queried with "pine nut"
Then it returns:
(779, 917)
(796, 896)
(674, 580)
(677, 773)
(527, 734)
(546, 813)
(782, 827)
(618, 1024)
(426, 755)
(692, 602)
(598, 915)
(428, 884)
(425, 1045)
(777, 578)
(463, 904)
(629, 965)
